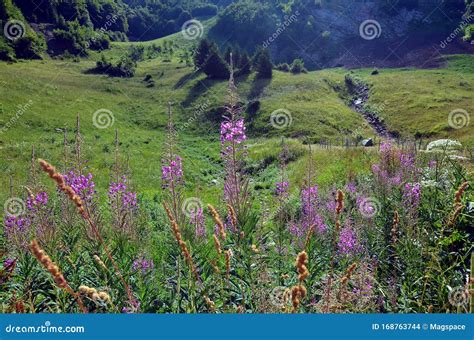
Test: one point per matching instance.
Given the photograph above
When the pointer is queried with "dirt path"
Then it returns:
(361, 96)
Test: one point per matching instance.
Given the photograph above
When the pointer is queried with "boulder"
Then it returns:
(368, 142)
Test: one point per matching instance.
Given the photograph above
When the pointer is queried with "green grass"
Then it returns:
(414, 101)
(419, 101)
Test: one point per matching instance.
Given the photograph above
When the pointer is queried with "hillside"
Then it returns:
(169, 163)
(322, 33)
(412, 102)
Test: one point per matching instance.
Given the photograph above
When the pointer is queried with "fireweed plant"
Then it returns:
(397, 238)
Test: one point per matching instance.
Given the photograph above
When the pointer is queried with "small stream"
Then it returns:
(361, 96)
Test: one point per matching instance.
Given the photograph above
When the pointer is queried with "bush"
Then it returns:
(136, 53)
(29, 47)
(99, 43)
(298, 66)
(124, 68)
(6, 51)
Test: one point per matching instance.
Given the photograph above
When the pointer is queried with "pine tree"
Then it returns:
(215, 66)
(244, 64)
(263, 64)
(202, 53)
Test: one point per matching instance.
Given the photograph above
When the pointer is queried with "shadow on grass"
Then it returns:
(198, 89)
(186, 78)
(257, 88)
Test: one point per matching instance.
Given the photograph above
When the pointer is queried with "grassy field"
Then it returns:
(59, 90)
(420, 100)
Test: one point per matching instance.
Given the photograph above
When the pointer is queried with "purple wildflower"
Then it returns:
(143, 264)
(197, 220)
(118, 191)
(412, 194)
(83, 185)
(8, 262)
(309, 204)
(347, 240)
(351, 187)
(17, 229)
(282, 189)
(172, 172)
(233, 131)
(36, 202)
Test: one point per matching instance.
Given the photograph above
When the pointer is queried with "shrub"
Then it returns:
(29, 47)
(6, 51)
(124, 68)
(136, 53)
(298, 66)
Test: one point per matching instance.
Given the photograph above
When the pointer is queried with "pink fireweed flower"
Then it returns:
(16, 230)
(172, 172)
(412, 194)
(36, 202)
(197, 220)
(233, 131)
(282, 189)
(309, 210)
(83, 185)
(351, 187)
(347, 243)
(143, 265)
(118, 191)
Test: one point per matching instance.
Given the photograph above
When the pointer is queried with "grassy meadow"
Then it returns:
(373, 230)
